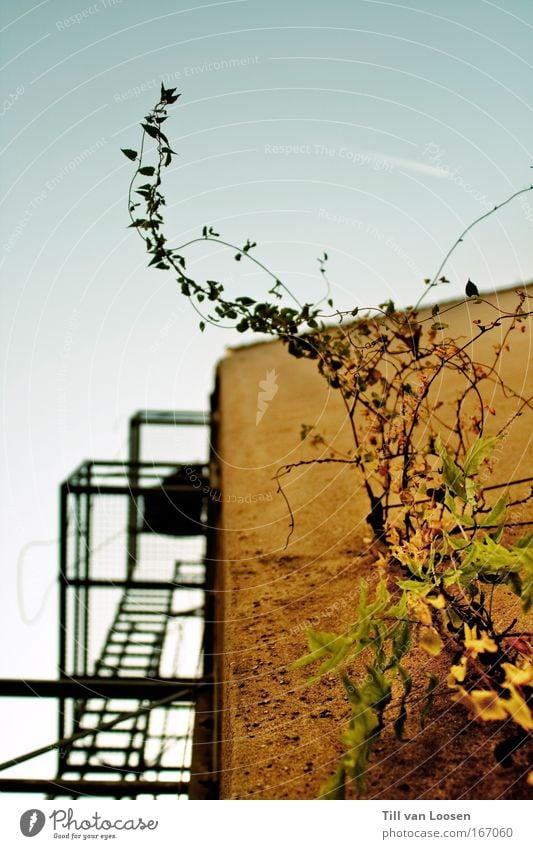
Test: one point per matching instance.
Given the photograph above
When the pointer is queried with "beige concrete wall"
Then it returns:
(280, 738)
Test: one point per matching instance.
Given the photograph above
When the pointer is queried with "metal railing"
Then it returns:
(136, 611)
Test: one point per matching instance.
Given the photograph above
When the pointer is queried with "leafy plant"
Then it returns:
(423, 465)
(443, 601)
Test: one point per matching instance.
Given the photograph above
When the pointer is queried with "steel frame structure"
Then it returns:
(128, 727)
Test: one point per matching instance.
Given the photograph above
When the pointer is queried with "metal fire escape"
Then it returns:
(136, 628)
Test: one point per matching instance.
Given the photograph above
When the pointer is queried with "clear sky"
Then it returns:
(373, 130)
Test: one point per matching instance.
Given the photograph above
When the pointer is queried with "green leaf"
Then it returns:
(463, 519)
(381, 599)
(431, 641)
(339, 649)
(525, 541)
(497, 513)
(147, 171)
(360, 735)
(320, 640)
(417, 587)
(471, 289)
(320, 645)
(450, 469)
(490, 558)
(455, 620)
(407, 683)
(526, 594)
(377, 689)
(131, 154)
(401, 640)
(398, 610)
(152, 131)
(168, 157)
(429, 698)
(525, 544)
(167, 95)
(479, 451)
(470, 488)
(452, 475)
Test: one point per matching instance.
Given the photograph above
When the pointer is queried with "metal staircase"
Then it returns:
(136, 671)
(133, 646)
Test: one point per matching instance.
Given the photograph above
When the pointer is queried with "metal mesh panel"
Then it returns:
(136, 647)
(134, 609)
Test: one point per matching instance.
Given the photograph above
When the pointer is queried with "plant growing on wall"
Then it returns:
(447, 537)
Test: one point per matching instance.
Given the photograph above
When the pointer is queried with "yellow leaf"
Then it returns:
(458, 672)
(520, 677)
(438, 601)
(485, 704)
(393, 536)
(478, 645)
(431, 641)
(470, 633)
(530, 778)
(419, 609)
(517, 709)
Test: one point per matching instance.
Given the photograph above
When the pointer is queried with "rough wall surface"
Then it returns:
(280, 737)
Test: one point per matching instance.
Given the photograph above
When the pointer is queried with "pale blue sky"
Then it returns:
(374, 130)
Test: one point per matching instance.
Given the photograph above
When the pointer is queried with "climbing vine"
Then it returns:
(446, 537)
